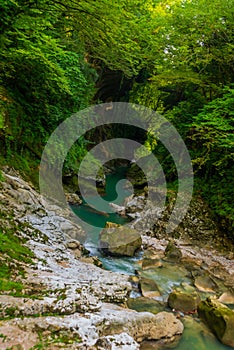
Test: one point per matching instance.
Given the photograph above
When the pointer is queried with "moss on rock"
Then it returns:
(219, 318)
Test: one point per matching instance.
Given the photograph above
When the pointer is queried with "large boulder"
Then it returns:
(139, 325)
(182, 301)
(219, 318)
(119, 241)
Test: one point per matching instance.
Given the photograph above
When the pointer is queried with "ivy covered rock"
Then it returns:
(119, 241)
(219, 318)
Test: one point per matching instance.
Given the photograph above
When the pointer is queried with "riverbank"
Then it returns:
(65, 301)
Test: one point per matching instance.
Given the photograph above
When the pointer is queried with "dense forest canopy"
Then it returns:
(176, 57)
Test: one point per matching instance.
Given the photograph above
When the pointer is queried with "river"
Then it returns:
(196, 336)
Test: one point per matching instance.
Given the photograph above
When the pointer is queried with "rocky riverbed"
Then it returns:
(184, 271)
(70, 302)
(75, 304)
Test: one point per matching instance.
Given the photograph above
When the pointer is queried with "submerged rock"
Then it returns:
(119, 241)
(219, 318)
(145, 304)
(160, 344)
(185, 302)
(151, 263)
(149, 288)
(205, 284)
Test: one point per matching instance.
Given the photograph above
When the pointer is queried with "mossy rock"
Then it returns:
(219, 318)
(185, 302)
(142, 304)
(119, 241)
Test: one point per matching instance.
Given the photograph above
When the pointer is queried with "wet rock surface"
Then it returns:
(227, 298)
(149, 287)
(205, 283)
(146, 304)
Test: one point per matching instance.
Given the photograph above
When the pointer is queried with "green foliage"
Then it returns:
(213, 129)
(114, 33)
(1, 176)
(43, 79)
(12, 246)
(197, 43)
(208, 133)
(190, 82)
(179, 55)
(213, 152)
(13, 253)
(10, 286)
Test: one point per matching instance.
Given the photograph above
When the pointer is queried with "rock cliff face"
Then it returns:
(69, 308)
(149, 218)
